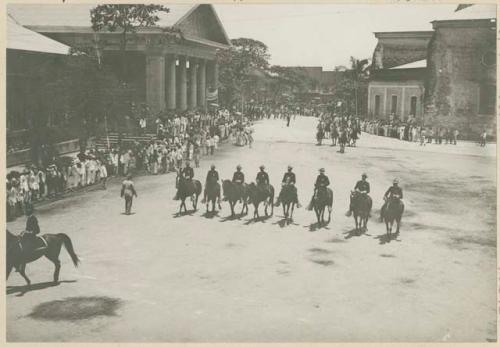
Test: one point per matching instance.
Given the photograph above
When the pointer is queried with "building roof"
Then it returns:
(78, 15)
(414, 65)
(20, 38)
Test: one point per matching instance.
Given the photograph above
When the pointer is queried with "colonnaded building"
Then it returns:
(444, 77)
(166, 73)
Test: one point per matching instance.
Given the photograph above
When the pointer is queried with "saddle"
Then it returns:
(30, 242)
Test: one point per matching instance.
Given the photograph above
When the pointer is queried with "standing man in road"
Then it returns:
(128, 192)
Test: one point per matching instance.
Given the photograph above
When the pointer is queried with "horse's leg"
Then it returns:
(21, 270)
(284, 210)
(231, 205)
(329, 214)
(290, 213)
(398, 221)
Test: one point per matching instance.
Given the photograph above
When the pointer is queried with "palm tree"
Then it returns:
(359, 73)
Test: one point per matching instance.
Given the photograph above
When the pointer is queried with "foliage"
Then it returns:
(237, 65)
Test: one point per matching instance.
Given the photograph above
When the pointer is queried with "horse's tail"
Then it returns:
(69, 247)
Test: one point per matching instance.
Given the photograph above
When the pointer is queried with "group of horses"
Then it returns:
(252, 194)
(341, 135)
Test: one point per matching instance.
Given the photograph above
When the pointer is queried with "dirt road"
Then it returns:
(154, 277)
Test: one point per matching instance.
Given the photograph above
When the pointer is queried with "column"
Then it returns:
(182, 84)
(170, 82)
(155, 82)
(193, 84)
(216, 75)
(202, 84)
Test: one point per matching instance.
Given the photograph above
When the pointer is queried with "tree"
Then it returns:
(237, 64)
(359, 74)
(127, 18)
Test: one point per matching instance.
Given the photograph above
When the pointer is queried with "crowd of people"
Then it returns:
(415, 133)
(178, 138)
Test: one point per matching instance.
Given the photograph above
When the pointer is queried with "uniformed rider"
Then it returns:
(212, 179)
(262, 179)
(322, 181)
(393, 191)
(363, 187)
(289, 179)
(238, 180)
(31, 231)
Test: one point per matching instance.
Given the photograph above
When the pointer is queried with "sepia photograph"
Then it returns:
(250, 173)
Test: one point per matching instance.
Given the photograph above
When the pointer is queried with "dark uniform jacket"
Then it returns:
(322, 180)
(362, 186)
(212, 176)
(238, 177)
(188, 172)
(394, 190)
(262, 178)
(32, 225)
(290, 176)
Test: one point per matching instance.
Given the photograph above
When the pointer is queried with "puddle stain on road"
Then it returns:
(76, 308)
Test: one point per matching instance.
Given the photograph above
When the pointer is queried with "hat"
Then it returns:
(212, 166)
(395, 180)
(290, 167)
(262, 167)
(322, 170)
(364, 174)
(238, 167)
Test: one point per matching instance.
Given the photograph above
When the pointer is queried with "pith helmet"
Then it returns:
(322, 170)
(395, 181)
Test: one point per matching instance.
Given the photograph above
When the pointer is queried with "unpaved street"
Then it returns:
(156, 277)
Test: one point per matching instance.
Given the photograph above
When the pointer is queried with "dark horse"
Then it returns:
(233, 192)
(187, 188)
(361, 207)
(213, 193)
(321, 199)
(256, 195)
(393, 212)
(288, 199)
(17, 257)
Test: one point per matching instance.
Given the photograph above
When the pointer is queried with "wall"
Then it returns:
(458, 66)
(404, 90)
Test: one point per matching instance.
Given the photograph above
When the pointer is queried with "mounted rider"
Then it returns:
(363, 187)
(211, 180)
(393, 191)
(239, 180)
(29, 236)
(288, 180)
(188, 173)
(262, 180)
(322, 182)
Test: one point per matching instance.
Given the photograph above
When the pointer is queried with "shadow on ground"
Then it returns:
(34, 287)
(76, 308)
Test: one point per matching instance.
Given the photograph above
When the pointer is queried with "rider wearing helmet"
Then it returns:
(363, 187)
(188, 171)
(321, 181)
(262, 179)
(212, 179)
(393, 191)
(239, 179)
(31, 231)
(288, 180)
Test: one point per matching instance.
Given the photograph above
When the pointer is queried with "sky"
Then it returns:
(328, 35)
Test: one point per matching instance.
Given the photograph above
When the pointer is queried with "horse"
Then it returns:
(393, 211)
(233, 192)
(213, 192)
(343, 140)
(53, 242)
(288, 199)
(361, 207)
(256, 195)
(187, 188)
(321, 199)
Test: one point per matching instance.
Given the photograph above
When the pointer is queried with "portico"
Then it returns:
(179, 54)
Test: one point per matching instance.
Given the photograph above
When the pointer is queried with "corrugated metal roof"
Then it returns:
(79, 14)
(20, 38)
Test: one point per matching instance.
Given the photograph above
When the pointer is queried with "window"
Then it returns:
(377, 105)
(487, 98)
(394, 104)
(413, 106)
